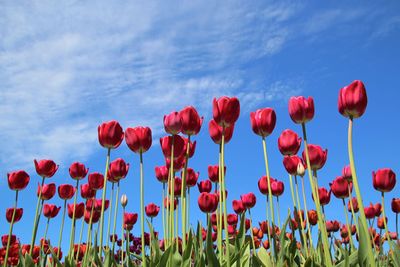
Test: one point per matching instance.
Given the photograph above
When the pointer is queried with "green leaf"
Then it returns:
(211, 257)
(396, 253)
(363, 243)
(164, 258)
(28, 261)
(187, 254)
(264, 257)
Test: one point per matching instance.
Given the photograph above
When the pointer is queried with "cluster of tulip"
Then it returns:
(288, 242)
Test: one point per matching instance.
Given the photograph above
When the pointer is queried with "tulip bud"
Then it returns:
(300, 169)
(124, 200)
(395, 205)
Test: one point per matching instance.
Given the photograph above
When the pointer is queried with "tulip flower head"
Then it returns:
(226, 110)
(47, 191)
(50, 210)
(353, 100)
(66, 191)
(301, 109)
(124, 200)
(45, 168)
(162, 173)
(263, 121)
(289, 142)
(78, 171)
(395, 204)
(317, 156)
(216, 130)
(249, 200)
(384, 180)
(173, 123)
(166, 144)
(191, 121)
(138, 139)
(118, 170)
(208, 202)
(110, 134)
(204, 186)
(79, 210)
(96, 180)
(18, 214)
(340, 187)
(18, 180)
(238, 206)
(152, 210)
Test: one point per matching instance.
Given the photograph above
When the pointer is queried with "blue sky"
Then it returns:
(67, 67)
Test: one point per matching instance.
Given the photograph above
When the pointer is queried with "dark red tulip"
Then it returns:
(384, 180)
(353, 100)
(217, 193)
(162, 173)
(79, 210)
(130, 218)
(340, 187)
(4, 240)
(179, 163)
(173, 123)
(48, 191)
(396, 205)
(192, 147)
(354, 203)
(291, 163)
(332, 226)
(177, 187)
(277, 188)
(179, 146)
(369, 211)
(98, 204)
(238, 206)
(312, 217)
(317, 156)
(216, 132)
(301, 109)
(18, 180)
(191, 177)
(204, 186)
(381, 222)
(118, 170)
(232, 219)
(152, 210)
(50, 210)
(66, 191)
(208, 202)
(96, 180)
(249, 200)
(324, 196)
(289, 142)
(191, 121)
(346, 173)
(263, 121)
(263, 184)
(226, 110)
(78, 171)
(167, 203)
(45, 168)
(110, 134)
(378, 209)
(138, 139)
(87, 191)
(18, 214)
(213, 173)
(95, 216)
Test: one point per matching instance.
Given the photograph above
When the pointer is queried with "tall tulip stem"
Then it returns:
(73, 225)
(37, 217)
(224, 197)
(321, 223)
(142, 209)
(362, 217)
(61, 228)
(103, 202)
(219, 211)
(348, 224)
(11, 228)
(45, 235)
(301, 228)
(109, 213)
(183, 194)
(251, 233)
(384, 221)
(80, 239)
(163, 213)
(115, 217)
(306, 212)
(278, 209)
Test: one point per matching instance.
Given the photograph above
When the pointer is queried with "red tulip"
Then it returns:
(340, 187)
(204, 186)
(208, 202)
(18, 180)
(354, 203)
(378, 209)
(118, 170)
(191, 121)
(226, 110)
(249, 200)
(301, 110)
(263, 121)
(110, 134)
(369, 211)
(384, 180)
(191, 177)
(87, 191)
(277, 188)
(238, 206)
(18, 214)
(177, 187)
(346, 173)
(48, 191)
(50, 210)
(167, 203)
(312, 217)
(353, 100)
(78, 171)
(138, 139)
(381, 222)
(173, 123)
(4, 240)
(324, 196)
(332, 226)
(317, 156)
(152, 210)
(179, 146)
(216, 132)
(213, 174)
(96, 180)
(130, 218)
(263, 184)
(66, 191)
(79, 210)
(46, 167)
(179, 163)
(291, 163)
(162, 173)
(396, 205)
(95, 216)
(98, 204)
(289, 142)
(192, 147)
(232, 219)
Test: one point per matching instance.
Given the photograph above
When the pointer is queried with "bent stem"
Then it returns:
(142, 209)
(36, 221)
(115, 217)
(11, 228)
(103, 201)
(183, 194)
(321, 223)
(61, 228)
(224, 197)
(358, 194)
(72, 234)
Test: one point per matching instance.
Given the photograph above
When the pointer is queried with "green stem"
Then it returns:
(80, 240)
(171, 189)
(397, 225)
(358, 195)
(385, 223)
(353, 218)
(115, 217)
(109, 214)
(188, 209)
(163, 213)
(103, 201)
(36, 221)
(45, 233)
(219, 211)
(268, 222)
(123, 238)
(142, 209)
(348, 225)
(11, 228)
(61, 228)
(72, 234)
(306, 212)
(183, 194)
(321, 224)
(89, 232)
(301, 218)
(224, 197)
(292, 191)
(279, 215)
(251, 233)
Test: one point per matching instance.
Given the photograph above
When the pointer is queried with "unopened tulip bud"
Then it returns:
(124, 200)
(300, 169)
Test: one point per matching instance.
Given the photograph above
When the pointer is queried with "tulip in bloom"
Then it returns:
(378, 209)
(18, 214)
(138, 139)
(263, 121)
(369, 211)
(162, 173)
(166, 144)
(317, 156)
(87, 191)
(173, 123)
(110, 134)
(346, 173)
(50, 210)
(118, 170)
(384, 180)
(130, 218)
(381, 222)
(96, 180)
(238, 206)
(47, 191)
(249, 200)
(215, 131)
(312, 217)
(395, 205)
(78, 171)
(324, 196)
(18, 180)
(191, 177)
(204, 186)
(191, 121)
(213, 173)
(45, 168)
(226, 110)
(353, 100)
(277, 188)
(263, 184)
(179, 162)
(354, 202)
(340, 187)
(66, 191)
(152, 210)
(332, 226)
(208, 202)
(4, 240)
(232, 219)
(289, 142)
(79, 210)
(291, 164)
(301, 109)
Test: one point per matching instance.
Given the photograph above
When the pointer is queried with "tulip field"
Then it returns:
(300, 236)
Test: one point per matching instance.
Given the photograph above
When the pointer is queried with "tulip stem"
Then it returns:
(279, 214)
(72, 234)
(362, 217)
(103, 201)
(45, 234)
(268, 222)
(183, 194)
(219, 212)
(251, 233)
(142, 209)
(306, 212)
(36, 221)
(61, 228)
(292, 191)
(300, 215)
(188, 209)
(11, 228)
(109, 214)
(353, 218)
(80, 239)
(385, 223)
(348, 225)
(163, 212)
(171, 189)
(397, 225)
(224, 197)
(123, 238)
(89, 232)
(271, 206)
(321, 223)
(115, 217)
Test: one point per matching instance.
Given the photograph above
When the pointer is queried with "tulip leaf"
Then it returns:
(363, 243)
(155, 247)
(186, 259)
(395, 254)
(264, 257)
(210, 252)
(28, 261)
(164, 258)
(176, 257)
